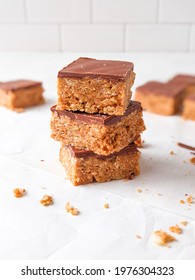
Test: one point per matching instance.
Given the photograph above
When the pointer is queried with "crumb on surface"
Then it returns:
(192, 160)
(182, 201)
(175, 229)
(106, 205)
(184, 223)
(172, 153)
(190, 199)
(138, 236)
(159, 194)
(19, 192)
(46, 200)
(139, 190)
(70, 209)
(162, 237)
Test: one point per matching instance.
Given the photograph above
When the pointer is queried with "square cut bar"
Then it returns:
(102, 134)
(20, 94)
(188, 82)
(161, 98)
(95, 86)
(83, 167)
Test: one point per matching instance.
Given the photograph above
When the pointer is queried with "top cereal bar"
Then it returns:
(95, 86)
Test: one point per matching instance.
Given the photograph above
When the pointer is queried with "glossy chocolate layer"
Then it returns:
(157, 88)
(98, 118)
(88, 67)
(130, 149)
(183, 79)
(185, 146)
(18, 84)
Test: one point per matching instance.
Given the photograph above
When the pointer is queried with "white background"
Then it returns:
(97, 25)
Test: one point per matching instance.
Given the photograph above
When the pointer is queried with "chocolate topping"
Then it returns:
(130, 149)
(183, 79)
(157, 88)
(18, 84)
(98, 118)
(88, 67)
(186, 146)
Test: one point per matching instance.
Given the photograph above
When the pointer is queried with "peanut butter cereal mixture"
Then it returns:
(184, 223)
(19, 192)
(162, 238)
(70, 209)
(189, 199)
(175, 229)
(106, 206)
(46, 200)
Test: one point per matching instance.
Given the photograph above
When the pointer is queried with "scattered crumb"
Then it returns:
(162, 237)
(184, 223)
(46, 200)
(184, 161)
(139, 190)
(172, 153)
(19, 192)
(192, 160)
(175, 229)
(42, 160)
(159, 194)
(106, 206)
(189, 199)
(70, 209)
(139, 142)
(182, 201)
(138, 236)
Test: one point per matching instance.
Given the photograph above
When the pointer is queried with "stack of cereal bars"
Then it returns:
(96, 122)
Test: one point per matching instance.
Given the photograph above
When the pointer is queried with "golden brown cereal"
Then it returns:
(182, 201)
(162, 237)
(175, 229)
(184, 223)
(189, 199)
(19, 192)
(70, 209)
(106, 206)
(46, 200)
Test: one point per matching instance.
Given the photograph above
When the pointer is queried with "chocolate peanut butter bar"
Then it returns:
(20, 94)
(102, 134)
(95, 86)
(83, 167)
(161, 98)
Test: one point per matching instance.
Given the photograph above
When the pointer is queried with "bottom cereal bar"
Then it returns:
(20, 94)
(83, 167)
